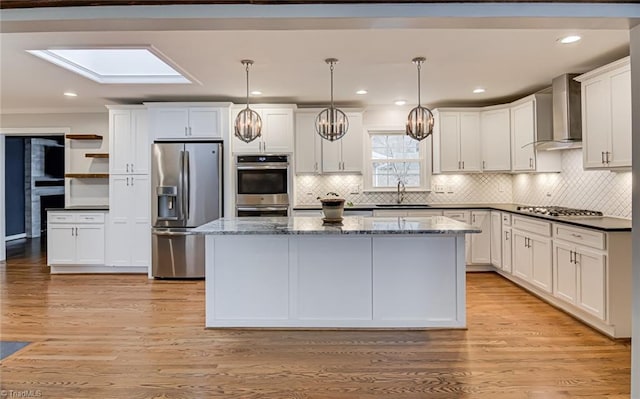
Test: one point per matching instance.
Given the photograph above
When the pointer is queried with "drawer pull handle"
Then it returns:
(576, 235)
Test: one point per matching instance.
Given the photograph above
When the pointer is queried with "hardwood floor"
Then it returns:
(124, 336)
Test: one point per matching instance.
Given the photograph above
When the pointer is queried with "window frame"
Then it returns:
(424, 158)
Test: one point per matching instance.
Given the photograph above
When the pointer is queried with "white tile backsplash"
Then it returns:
(605, 191)
(598, 190)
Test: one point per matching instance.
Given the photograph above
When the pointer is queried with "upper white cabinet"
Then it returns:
(345, 155)
(308, 153)
(277, 131)
(606, 116)
(531, 121)
(129, 145)
(495, 133)
(190, 121)
(456, 141)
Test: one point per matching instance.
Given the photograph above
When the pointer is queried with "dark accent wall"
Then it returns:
(14, 185)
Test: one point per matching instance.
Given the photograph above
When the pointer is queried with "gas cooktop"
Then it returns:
(559, 211)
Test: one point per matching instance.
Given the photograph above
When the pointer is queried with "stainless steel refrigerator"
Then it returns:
(187, 192)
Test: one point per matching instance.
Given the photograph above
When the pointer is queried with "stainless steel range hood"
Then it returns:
(567, 114)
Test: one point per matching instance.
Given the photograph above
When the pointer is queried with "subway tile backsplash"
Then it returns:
(605, 191)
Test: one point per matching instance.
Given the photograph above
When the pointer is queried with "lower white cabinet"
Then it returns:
(129, 234)
(532, 260)
(496, 239)
(464, 217)
(75, 238)
(507, 262)
(481, 242)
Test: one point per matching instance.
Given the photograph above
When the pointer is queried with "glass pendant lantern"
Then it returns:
(248, 124)
(332, 123)
(420, 120)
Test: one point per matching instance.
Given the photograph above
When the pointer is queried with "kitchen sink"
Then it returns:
(403, 205)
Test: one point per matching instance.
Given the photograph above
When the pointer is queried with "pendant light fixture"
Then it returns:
(248, 125)
(420, 120)
(332, 123)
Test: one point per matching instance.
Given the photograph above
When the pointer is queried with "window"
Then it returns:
(393, 156)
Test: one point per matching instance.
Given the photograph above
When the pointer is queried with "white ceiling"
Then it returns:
(289, 64)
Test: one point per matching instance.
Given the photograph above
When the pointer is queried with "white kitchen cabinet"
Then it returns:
(456, 141)
(308, 145)
(176, 121)
(129, 234)
(495, 134)
(606, 116)
(277, 132)
(464, 217)
(565, 284)
(531, 121)
(507, 246)
(129, 145)
(345, 155)
(481, 242)
(591, 282)
(532, 252)
(496, 239)
(75, 238)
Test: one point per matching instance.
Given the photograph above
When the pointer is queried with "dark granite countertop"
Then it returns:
(605, 223)
(86, 208)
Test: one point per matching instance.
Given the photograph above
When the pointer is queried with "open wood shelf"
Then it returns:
(84, 136)
(87, 175)
(96, 155)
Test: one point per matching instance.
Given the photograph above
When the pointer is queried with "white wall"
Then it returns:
(635, 86)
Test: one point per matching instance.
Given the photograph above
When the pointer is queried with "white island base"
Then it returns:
(335, 281)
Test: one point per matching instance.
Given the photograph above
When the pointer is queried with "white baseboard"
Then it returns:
(16, 237)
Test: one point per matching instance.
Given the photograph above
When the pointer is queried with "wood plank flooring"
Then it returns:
(124, 336)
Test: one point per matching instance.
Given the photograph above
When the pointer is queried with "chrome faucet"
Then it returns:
(401, 191)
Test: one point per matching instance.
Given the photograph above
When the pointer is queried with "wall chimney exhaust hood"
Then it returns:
(567, 115)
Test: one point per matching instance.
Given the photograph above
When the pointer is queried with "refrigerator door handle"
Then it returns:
(181, 188)
(187, 188)
(174, 233)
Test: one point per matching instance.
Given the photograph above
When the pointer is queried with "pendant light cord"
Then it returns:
(331, 69)
(247, 69)
(419, 65)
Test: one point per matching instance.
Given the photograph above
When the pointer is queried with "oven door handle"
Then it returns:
(260, 166)
(262, 208)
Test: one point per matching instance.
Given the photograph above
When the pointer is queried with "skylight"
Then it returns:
(115, 65)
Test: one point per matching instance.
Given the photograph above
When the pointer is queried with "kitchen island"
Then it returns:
(368, 272)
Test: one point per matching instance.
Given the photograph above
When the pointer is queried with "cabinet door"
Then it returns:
(308, 151)
(119, 233)
(470, 141)
(61, 244)
(331, 156)
(449, 141)
(565, 273)
(140, 220)
(204, 122)
(521, 256)
(120, 150)
(169, 123)
(592, 282)
(596, 121)
(542, 262)
(496, 239)
(523, 135)
(481, 242)
(620, 142)
(495, 131)
(141, 150)
(507, 264)
(278, 130)
(352, 145)
(464, 217)
(90, 244)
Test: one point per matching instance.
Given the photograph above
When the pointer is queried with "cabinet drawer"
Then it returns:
(61, 217)
(531, 225)
(461, 216)
(90, 218)
(506, 219)
(580, 236)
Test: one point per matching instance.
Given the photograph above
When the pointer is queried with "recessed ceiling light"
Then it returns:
(70, 94)
(570, 39)
(115, 65)
(400, 102)
(256, 93)
(479, 90)
(361, 92)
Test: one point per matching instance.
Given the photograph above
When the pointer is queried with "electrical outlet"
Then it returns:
(439, 188)
(309, 193)
(501, 188)
(355, 189)
(450, 189)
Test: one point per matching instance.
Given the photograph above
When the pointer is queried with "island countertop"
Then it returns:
(355, 225)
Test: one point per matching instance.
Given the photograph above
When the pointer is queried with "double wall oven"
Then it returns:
(262, 185)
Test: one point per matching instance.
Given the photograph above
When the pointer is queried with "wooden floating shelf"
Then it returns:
(87, 175)
(96, 155)
(83, 137)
